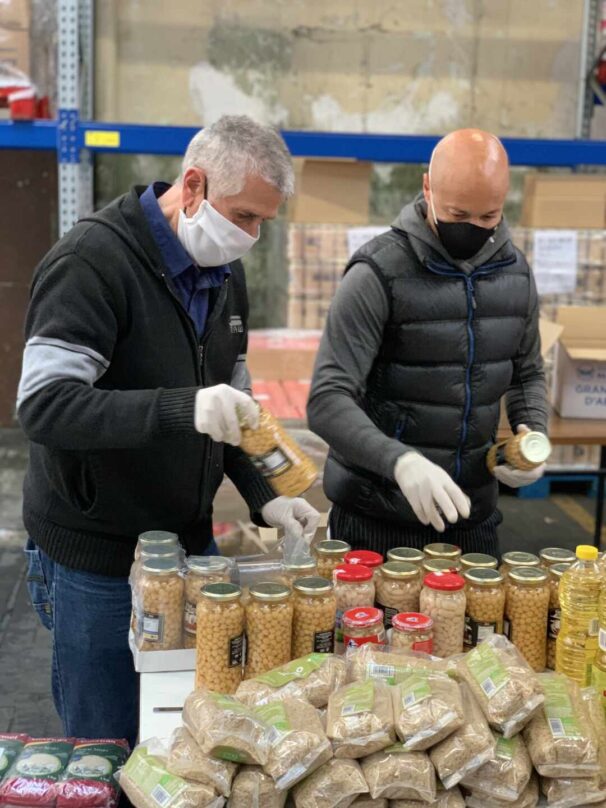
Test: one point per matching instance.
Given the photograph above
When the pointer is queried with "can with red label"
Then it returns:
(363, 625)
(412, 631)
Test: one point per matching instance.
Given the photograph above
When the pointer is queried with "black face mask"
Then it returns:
(463, 240)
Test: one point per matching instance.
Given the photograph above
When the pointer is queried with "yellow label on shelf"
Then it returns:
(102, 138)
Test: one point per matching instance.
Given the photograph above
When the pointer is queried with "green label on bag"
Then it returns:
(230, 705)
(47, 759)
(359, 699)
(274, 714)
(559, 711)
(10, 750)
(147, 772)
(297, 669)
(95, 761)
(415, 689)
(229, 753)
(486, 669)
(505, 747)
(396, 749)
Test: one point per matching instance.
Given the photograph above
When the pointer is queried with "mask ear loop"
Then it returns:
(205, 194)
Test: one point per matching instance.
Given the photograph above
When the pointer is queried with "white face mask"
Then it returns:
(211, 239)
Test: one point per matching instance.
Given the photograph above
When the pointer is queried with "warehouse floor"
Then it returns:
(566, 519)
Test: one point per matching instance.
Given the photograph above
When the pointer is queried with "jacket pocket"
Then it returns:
(37, 586)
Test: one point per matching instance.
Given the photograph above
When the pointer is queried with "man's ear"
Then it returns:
(194, 181)
(426, 193)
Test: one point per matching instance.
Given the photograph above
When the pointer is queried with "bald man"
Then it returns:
(433, 323)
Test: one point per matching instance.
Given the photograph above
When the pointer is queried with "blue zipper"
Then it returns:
(447, 270)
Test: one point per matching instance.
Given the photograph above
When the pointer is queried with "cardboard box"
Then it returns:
(282, 354)
(564, 200)
(14, 49)
(579, 386)
(183, 659)
(15, 14)
(334, 191)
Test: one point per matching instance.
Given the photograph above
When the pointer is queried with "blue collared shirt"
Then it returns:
(189, 281)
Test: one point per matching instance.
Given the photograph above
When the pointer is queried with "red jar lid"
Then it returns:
(352, 573)
(445, 581)
(368, 558)
(359, 618)
(412, 621)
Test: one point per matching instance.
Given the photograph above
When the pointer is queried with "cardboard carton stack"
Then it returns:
(15, 17)
(572, 201)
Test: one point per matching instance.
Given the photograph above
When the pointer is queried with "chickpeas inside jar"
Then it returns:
(269, 617)
(515, 560)
(329, 554)
(485, 604)
(556, 555)
(408, 554)
(361, 626)
(443, 599)
(413, 632)
(301, 569)
(553, 619)
(201, 570)
(442, 550)
(368, 559)
(220, 638)
(398, 589)
(155, 537)
(160, 593)
(167, 551)
(314, 617)
(440, 565)
(478, 560)
(526, 614)
(354, 587)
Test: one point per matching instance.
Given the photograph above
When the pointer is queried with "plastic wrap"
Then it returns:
(388, 664)
(360, 719)
(572, 792)
(593, 702)
(33, 777)
(397, 774)
(427, 708)
(253, 788)
(528, 799)
(444, 799)
(185, 759)
(336, 784)
(503, 683)
(506, 774)
(89, 780)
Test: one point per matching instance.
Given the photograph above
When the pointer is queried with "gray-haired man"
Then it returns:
(133, 386)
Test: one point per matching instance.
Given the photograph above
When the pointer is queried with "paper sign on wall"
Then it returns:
(357, 236)
(555, 261)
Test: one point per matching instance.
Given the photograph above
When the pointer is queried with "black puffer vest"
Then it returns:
(445, 363)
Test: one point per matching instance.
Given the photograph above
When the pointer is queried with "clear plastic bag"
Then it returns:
(452, 798)
(388, 664)
(593, 702)
(528, 799)
(571, 792)
(312, 678)
(397, 774)
(364, 801)
(427, 708)
(226, 729)
(185, 759)
(467, 748)
(360, 719)
(336, 784)
(560, 738)
(506, 774)
(503, 683)
(253, 788)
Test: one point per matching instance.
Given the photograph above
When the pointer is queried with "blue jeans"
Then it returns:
(95, 686)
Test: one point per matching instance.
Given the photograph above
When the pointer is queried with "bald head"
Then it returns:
(468, 177)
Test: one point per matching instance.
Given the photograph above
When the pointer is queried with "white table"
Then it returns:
(162, 696)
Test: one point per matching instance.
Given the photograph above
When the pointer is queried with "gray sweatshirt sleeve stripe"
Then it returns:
(241, 378)
(49, 360)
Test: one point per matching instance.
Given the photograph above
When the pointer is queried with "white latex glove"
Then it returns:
(295, 515)
(428, 488)
(516, 478)
(220, 410)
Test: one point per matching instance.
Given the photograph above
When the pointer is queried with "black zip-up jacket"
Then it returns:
(111, 368)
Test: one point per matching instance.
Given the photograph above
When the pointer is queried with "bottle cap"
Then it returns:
(368, 558)
(587, 552)
(444, 581)
(352, 573)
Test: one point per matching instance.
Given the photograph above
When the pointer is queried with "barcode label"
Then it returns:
(594, 627)
(488, 686)
(557, 728)
(350, 709)
(160, 796)
(381, 671)
(602, 640)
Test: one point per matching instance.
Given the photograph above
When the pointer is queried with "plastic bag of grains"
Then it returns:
(12, 745)
(336, 784)
(360, 719)
(503, 683)
(562, 792)
(593, 702)
(506, 774)
(253, 788)
(528, 799)
(427, 708)
(32, 779)
(467, 748)
(397, 774)
(225, 728)
(387, 664)
(364, 801)
(451, 798)
(90, 778)
(312, 678)
(185, 759)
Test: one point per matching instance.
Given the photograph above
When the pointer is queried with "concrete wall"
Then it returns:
(356, 65)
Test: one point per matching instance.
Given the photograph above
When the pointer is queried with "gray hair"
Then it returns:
(236, 147)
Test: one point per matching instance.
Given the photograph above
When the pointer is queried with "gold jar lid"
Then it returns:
(332, 547)
(483, 576)
(269, 592)
(301, 566)
(528, 575)
(441, 564)
(557, 555)
(399, 569)
(520, 559)
(158, 537)
(535, 447)
(442, 550)
(408, 554)
(476, 560)
(557, 570)
(314, 585)
(161, 566)
(207, 565)
(221, 592)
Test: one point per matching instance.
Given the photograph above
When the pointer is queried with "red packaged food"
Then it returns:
(90, 778)
(32, 779)
(11, 746)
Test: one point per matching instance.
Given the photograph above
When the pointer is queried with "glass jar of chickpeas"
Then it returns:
(160, 594)
(556, 555)
(485, 604)
(440, 565)
(409, 554)
(354, 586)
(526, 613)
(443, 599)
(362, 626)
(300, 569)
(168, 551)
(442, 550)
(555, 572)
(368, 558)
(220, 638)
(328, 555)
(155, 537)
(478, 560)
(413, 632)
(398, 588)
(517, 558)
(269, 615)
(314, 617)
(201, 570)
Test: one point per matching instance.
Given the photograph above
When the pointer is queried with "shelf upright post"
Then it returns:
(68, 151)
